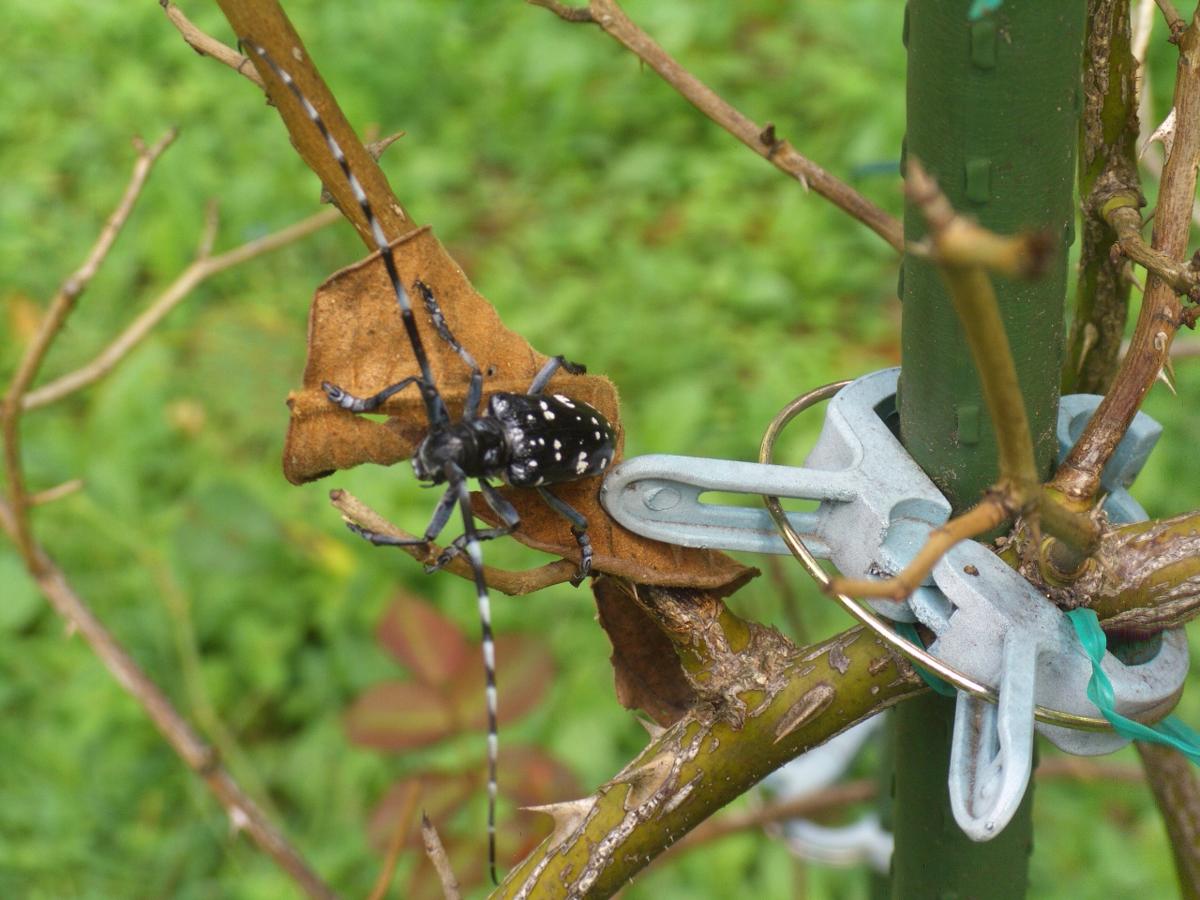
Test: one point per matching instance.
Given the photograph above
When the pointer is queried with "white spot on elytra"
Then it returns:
(549, 415)
(595, 421)
(581, 463)
(540, 480)
(565, 401)
(604, 463)
(558, 457)
(543, 404)
(597, 435)
(557, 444)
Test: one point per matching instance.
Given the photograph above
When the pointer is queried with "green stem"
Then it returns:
(710, 757)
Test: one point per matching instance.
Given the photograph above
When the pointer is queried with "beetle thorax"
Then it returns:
(478, 447)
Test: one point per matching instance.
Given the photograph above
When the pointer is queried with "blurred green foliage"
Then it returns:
(604, 218)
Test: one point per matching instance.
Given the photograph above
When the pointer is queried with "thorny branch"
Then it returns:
(207, 45)
(762, 702)
(200, 757)
(1162, 313)
(609, 16)
(1108, 134)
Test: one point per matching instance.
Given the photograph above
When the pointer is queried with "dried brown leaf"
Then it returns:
(356, 340)
(646, 668)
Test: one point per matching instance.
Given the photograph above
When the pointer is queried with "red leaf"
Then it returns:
(399, 715)
(424, 640)
(646, 669)
(524, 671)
(441, 796)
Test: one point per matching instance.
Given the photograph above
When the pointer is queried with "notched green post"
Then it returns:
(993, 107)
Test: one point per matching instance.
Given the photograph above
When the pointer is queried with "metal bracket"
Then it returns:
(876, 509)
(876, 504)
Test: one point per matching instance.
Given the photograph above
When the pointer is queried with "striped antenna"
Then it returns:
(434, 407)
(438, 415)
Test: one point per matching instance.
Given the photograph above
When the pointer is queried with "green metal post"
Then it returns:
(993, 106)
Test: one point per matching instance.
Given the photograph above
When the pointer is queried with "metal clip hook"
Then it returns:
(991, 748)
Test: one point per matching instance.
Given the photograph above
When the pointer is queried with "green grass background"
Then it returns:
(604, 218)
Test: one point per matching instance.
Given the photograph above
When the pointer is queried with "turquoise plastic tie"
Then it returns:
(908, 630)
(981, 8)
(1170, 731)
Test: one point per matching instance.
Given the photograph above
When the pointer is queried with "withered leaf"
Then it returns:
(356, 341)
(646, 669)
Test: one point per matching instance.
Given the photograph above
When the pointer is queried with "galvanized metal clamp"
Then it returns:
(994, 630)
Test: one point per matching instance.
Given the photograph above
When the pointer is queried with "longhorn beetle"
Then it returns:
(525, 440)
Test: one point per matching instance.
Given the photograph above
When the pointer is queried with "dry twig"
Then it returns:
(207, 45)
(1177, 793)
(506, 582)
(1123, 216)
(55, 493)
(437, 855)
(201, 269)
(609, 16)
(51, 324)
(989, 513)
(244, 813)
(1175, 21)
(396, 844)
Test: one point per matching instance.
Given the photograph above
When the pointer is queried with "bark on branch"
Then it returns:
(762, 703)
(267, 26)
(1108, 133)
(1162, 313)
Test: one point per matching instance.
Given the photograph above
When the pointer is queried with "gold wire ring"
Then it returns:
(914, 652)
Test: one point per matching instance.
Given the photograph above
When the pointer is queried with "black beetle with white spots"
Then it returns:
(528, 440)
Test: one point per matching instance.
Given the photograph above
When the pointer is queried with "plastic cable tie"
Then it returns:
(1170, 732)
(909, 630)
(980, 8)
